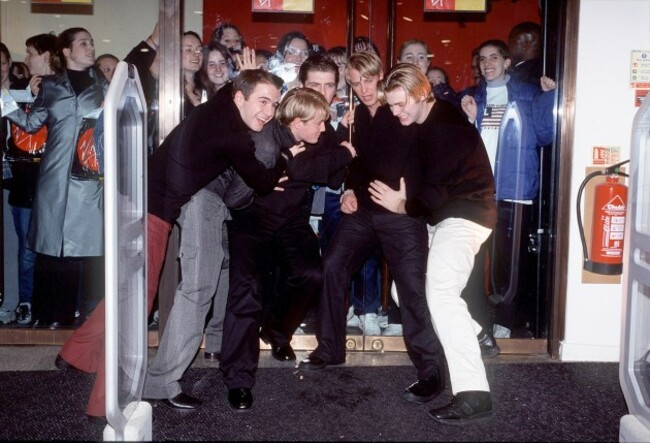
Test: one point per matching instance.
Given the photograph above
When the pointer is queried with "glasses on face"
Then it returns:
(297, 52)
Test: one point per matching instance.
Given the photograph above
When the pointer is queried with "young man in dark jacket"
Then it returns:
(214, 137)
(274, 232)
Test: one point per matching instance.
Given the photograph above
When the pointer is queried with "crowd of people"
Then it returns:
(290, 192)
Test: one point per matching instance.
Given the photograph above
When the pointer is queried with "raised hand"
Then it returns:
(35, 84)
(469, 107)
(547, 84)
(246, 60)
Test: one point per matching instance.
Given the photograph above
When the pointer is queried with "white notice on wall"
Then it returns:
(640, 69)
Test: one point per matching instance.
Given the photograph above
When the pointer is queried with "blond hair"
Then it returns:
(304, 104)
(411, 79)
(369, 65)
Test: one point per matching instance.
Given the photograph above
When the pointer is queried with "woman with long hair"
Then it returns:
(66, 227)
(217, 68)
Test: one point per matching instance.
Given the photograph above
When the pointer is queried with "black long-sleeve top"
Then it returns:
(458, 180)
(212, 138)
(386, 151)
(321, 163)
(142, 57)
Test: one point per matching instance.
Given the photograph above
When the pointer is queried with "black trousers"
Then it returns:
(62, 283)
(260, 242)
(403, 241)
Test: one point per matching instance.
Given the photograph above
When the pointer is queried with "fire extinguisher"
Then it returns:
(608, 224)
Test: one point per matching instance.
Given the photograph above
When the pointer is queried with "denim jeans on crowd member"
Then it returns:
(365, 292)
(26, 258)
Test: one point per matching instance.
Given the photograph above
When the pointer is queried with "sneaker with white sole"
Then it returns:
(352, 319)
(24, 313)
(392, 330)
(369, 324)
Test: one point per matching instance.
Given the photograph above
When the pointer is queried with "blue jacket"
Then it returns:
(517, 176)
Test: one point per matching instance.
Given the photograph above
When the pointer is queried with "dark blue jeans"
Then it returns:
(26, 258)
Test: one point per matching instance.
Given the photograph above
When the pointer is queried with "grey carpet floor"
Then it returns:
(532, 402)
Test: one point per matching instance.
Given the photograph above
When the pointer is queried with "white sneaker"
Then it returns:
(500, 331)
(24, 313)
(382, 320)
(392, 330)
(7, 316)
(352, 320)
(369, 324)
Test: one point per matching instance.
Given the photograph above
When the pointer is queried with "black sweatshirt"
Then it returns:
(321, 163)
(458, 180)
(212, 138)
(386, 151)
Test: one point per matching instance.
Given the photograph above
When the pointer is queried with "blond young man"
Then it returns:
(272, 232)
(457, 200)
(387, 151)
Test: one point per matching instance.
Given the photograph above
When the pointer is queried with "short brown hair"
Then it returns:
(318, 63)
(248, 79)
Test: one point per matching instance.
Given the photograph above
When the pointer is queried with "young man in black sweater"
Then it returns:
(272, 232)
(457, 199)
(386, 152)
(214, 137)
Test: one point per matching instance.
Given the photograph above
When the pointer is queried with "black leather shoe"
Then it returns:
(240, 399)
(312, 363)
(60, 363)
(423, 391)
(212, 355)
(464, 407)
(182, 402)
(283, 353)
(488, 345)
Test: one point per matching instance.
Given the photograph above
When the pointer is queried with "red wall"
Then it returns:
(328, 27)
(465, 35)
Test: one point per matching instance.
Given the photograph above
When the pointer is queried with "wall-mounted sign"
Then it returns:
(455, 5)
(606, 155)
(302, 6)
(62, 2)
(640, 70)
